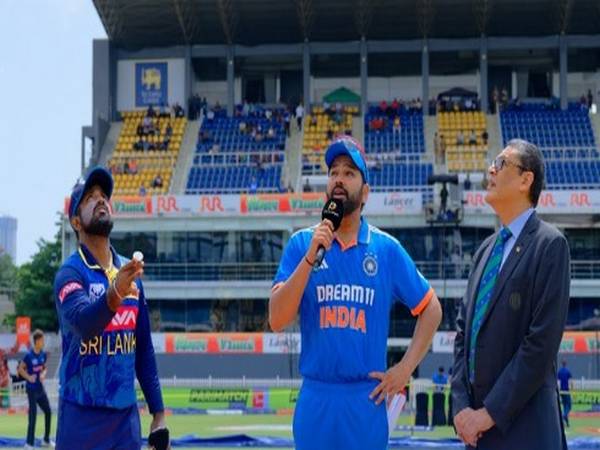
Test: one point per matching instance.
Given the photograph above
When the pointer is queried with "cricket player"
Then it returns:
(344, 306)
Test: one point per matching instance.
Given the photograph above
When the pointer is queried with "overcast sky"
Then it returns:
(46, 92)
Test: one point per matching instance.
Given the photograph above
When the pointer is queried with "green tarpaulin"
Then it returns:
(342, 95)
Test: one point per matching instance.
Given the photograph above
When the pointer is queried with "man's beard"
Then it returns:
(99, 226)
(351, 202)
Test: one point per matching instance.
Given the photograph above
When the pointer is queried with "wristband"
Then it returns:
(308, 262)
(114, 286)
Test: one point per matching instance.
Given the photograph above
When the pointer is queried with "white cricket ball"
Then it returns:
(138, 256)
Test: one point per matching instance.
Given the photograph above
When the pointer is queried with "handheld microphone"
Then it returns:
(334, 212)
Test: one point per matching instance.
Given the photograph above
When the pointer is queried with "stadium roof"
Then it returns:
(149, 23)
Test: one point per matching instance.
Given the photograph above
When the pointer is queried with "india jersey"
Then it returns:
(345, 308)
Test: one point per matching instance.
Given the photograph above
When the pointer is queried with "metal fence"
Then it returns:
(433, 270)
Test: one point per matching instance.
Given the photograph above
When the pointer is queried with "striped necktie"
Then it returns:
(486, 289)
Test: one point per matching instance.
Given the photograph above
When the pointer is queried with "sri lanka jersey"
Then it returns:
(103, 350)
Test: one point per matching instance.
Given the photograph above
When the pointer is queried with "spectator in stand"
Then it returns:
(418, 104)
(590, 98)
(395, 106)
(169, 130)
(504, 98)
(164, 145)
(299, 115)
(242, 126)
(245, 108)
(468, 104)
(147, 126)
(133, 168)
(210, 116)
(397, 125)
(307, 187)
(268, 114)
(178, 110)
(290, 188)
(142, 191)
(150, 112)
(495, 99)
(313, 120)
(286, 122)
(146, 146)
(460, 138)
(157, 182)
(383, 106)
(163, 110)
(253, 188)
(473, 138)
(271, 133)
(140, 130)
(139, 144)
(485, 136)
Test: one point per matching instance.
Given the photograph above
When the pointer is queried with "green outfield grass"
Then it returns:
(260, 425)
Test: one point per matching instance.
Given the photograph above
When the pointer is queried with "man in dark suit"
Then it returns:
(512, 317)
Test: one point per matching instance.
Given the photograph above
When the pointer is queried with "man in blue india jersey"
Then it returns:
(344, 306)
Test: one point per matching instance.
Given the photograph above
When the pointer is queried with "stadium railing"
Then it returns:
(580, 269)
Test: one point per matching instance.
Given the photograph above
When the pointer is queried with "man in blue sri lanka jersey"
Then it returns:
(344, 306)
(105, 330)
(33, 369)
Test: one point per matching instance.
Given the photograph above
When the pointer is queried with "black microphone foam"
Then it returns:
(334, 212)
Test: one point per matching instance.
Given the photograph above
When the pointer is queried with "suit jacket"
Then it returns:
(517, 346)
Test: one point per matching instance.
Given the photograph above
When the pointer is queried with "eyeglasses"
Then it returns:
(501, 162)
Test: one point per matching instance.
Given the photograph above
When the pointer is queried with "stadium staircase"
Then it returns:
(358, 129)
(495, 136)
(110, 143)
(595, 121)
(293, 166)
(186, 157)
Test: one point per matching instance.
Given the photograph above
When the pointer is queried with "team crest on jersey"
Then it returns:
(370, 265)
(97, 290)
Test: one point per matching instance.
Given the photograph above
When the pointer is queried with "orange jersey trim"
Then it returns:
(423, 303)
(345, 247)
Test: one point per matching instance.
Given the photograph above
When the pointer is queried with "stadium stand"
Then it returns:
(134, 167)
(319, 128)
(566, 139)
(394, 143)
(237, 154)
(463, 153)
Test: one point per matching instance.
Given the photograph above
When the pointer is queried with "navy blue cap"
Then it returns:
(345, 145)
(97, 176)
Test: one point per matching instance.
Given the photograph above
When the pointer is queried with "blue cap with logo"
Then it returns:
(98, 176)
(345, 145)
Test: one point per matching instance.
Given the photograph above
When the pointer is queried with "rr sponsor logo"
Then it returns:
(68, 289)
(124, 319)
